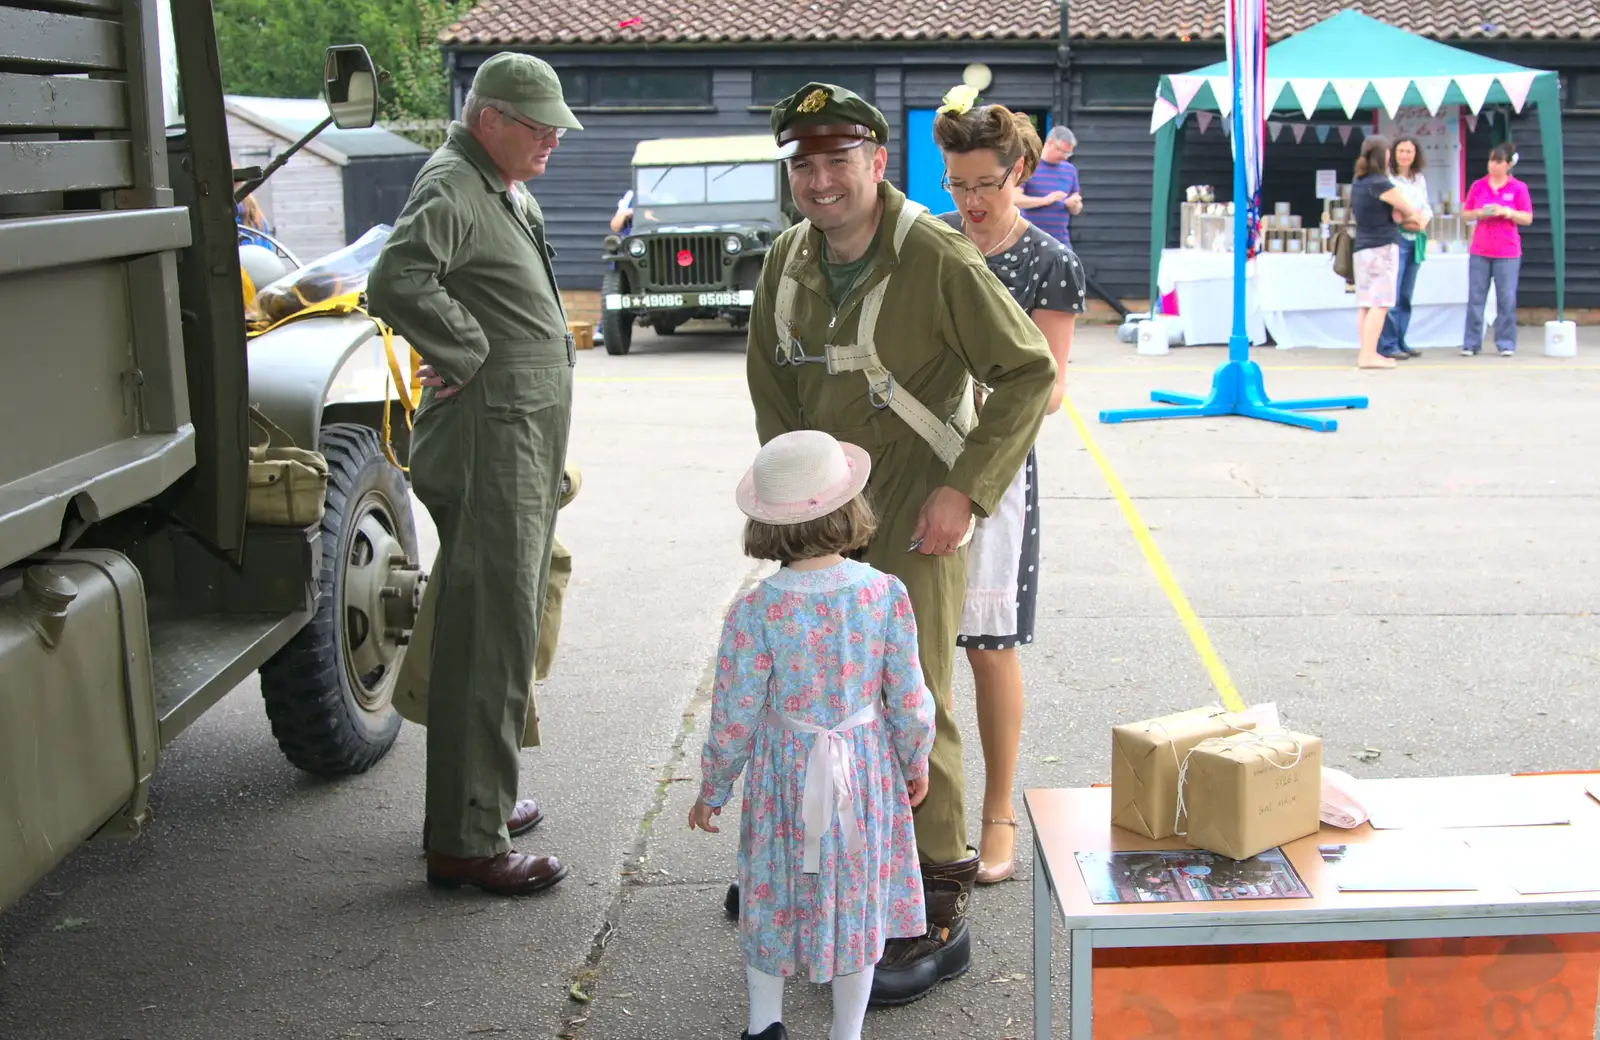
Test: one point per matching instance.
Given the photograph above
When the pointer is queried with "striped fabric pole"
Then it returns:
(1246, 32)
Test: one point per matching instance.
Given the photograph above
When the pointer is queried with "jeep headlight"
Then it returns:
(733, 243)
(636, 246)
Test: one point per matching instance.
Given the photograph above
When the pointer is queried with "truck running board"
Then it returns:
(199, 659)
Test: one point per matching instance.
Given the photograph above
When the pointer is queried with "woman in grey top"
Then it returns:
(988, 151)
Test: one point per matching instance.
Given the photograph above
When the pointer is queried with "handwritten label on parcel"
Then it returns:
(1250, 792)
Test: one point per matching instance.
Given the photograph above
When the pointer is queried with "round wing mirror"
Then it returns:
(350, 86)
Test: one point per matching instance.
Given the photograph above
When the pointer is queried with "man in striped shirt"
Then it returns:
(1051, 195)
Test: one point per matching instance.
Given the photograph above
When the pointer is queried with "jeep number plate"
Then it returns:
(669, 301)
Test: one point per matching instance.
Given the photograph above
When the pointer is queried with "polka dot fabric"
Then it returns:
(1039, 272)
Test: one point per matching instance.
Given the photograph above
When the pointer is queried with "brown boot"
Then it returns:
(911, 968)
(511, 873)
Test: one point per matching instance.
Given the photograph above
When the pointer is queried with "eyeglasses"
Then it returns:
(539, 129)
(982, 188)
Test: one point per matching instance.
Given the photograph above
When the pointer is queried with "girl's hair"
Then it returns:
(1417, 163)
(1505, 151)
(843, 531)
(1010, 135)
(1375, 151)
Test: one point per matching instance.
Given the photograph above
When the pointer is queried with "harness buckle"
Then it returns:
(881, 392)
(793, 352)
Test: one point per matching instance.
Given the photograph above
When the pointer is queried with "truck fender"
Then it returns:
(300, 369)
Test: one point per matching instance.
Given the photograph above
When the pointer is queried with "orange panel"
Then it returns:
(1517, 988)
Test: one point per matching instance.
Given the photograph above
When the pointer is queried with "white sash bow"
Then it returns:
(828, 788)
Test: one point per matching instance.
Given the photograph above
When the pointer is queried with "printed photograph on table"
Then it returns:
(1188, 876)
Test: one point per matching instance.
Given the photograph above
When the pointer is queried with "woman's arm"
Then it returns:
(1402, 205)
(1058, 327)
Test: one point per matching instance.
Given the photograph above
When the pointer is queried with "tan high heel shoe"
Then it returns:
(993, 875)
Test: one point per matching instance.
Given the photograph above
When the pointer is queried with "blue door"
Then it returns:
(924, 165)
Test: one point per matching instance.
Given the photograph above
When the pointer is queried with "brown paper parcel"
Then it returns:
(1250, 792)
(1144, 765)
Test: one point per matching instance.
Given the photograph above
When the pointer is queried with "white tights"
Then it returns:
(850, 994)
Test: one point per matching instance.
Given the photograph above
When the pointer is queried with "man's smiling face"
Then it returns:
(837, 190)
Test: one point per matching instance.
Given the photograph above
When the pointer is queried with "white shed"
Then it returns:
(305, 202)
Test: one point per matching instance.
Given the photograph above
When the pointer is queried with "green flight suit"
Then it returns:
(466, 278)
(945, 315)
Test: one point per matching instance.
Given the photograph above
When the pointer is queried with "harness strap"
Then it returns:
(946, 438)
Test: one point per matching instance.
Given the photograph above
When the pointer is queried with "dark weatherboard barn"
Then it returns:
(640, 69)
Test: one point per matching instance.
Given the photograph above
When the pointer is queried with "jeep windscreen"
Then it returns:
(708, 184)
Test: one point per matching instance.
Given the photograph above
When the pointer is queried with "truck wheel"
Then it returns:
(615, 326)
(329, 691)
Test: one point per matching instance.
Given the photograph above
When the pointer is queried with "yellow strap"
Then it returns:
(350, 303)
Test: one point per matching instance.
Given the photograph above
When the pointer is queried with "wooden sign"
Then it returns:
(1512, 988)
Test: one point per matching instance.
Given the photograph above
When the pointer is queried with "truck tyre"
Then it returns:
(665, 326)
(615, 326)
(329, 691)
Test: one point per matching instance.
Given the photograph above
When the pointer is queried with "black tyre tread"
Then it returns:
(616, 328)
(302, 685)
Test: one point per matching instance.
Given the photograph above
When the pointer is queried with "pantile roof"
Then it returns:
(537, 22)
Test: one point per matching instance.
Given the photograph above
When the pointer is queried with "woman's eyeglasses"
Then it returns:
(983, 189)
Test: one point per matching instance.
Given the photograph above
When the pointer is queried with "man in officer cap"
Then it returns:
(871, 321)
(466, 279)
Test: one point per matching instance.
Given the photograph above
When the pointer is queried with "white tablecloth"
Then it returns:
(1300, 301)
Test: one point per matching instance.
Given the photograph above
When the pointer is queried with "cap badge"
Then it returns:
(814, 101)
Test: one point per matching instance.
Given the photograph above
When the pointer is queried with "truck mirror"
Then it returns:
(350, 86)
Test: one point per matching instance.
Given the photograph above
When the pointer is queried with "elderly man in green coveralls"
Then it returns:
(870, 322)
(466, 279)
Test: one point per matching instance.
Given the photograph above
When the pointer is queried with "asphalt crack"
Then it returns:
(633, 862)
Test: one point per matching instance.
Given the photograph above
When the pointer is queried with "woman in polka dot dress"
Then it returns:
(989, 152)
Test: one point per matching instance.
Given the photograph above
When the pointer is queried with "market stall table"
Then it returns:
(1423, 965)
(1298, 300)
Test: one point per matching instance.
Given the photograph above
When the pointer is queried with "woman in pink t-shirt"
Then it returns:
(1498, 204)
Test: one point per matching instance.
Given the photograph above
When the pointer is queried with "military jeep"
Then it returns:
(705, 212)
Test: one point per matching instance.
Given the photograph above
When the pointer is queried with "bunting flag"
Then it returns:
(1322, 133)
(1204, 119)
(1472, 124)
(1274, 129)
(1162, 113)
(1184, 88)
(1246, 34)
(1309, 92)
(1349, 92)
(1475, 88)
(1517, 85)
(1222, 91)
(1344, 134)
(1432, 89)
(1299, 131)
(1391, 91)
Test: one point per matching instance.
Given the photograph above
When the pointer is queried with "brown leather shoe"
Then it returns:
(511, 873)
(525, 816)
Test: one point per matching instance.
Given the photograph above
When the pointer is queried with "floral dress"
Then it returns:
(818, 647)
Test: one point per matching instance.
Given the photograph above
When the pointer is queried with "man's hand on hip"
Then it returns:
(943, 522)
(428, 377)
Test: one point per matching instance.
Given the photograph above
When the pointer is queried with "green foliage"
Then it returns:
(273, 48)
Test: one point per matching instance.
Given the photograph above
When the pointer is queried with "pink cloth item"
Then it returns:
(1341, 801)
(1497, 237)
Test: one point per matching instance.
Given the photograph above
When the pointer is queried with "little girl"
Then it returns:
(820, 694)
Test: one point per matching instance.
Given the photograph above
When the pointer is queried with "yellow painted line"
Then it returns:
(1155, 370)
(1158, 565)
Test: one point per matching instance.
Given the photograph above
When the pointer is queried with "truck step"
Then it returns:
(199, 659)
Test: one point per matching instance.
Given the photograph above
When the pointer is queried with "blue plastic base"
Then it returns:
(1237, 389)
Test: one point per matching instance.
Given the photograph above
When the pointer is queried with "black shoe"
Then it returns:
(1411, 353)
(730, 903)
(911, 968)
(773, 1032)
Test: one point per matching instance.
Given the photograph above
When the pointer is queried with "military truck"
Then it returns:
(136, 586)
(705, 212)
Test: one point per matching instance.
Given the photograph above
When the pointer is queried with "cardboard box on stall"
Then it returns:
(1145, 758)
(1249, 792)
